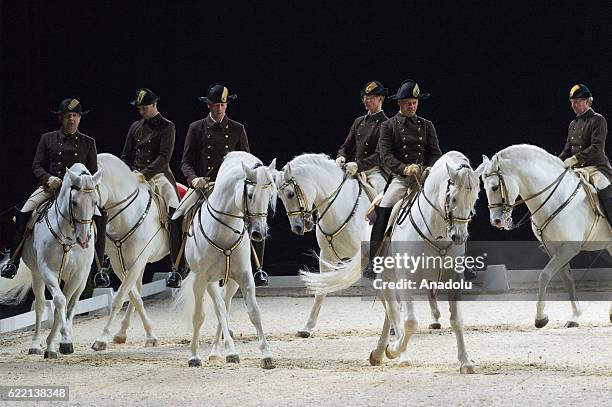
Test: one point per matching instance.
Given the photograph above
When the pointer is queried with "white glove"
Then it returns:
(411, 169)
(570, 162)
(54, 183)
(200, 182)
(139, 175)
(340, 161)
(351, 168)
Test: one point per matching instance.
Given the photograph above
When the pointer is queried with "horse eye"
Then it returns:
(495, 188)
(290, 195)
(454, 200)
(73, 203)
(250, 195)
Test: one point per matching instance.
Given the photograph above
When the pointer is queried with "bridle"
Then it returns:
(307, 215)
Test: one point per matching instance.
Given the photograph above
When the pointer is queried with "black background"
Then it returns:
(498, 75)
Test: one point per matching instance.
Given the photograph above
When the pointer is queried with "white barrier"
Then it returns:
(99, 304)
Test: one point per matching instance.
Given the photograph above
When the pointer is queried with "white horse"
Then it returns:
(433, 226)
(314, 181)
(135, 237)
(561, 215)
(219, 248)
(59, 249)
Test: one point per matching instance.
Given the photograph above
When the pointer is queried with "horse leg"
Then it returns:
(392, 311)
(247, 287)
(59, 320)
(121, 335)
(562, 256)
(221, 312)
(456, 323)
(73, 290)
(316, 307)
(570, 286)
(376, 356)
(199, 285)
(435, 311)
(39, 306)
(228, 293)
(126, 286)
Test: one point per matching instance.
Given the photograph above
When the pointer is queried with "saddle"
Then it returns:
(591, 191)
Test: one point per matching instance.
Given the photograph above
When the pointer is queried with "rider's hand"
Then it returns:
(54, 183)
(351, 168)
(411, 169)
(139, 176)
(340, 161)
(200, 182)
(570, 162)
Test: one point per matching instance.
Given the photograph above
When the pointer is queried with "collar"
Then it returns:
(406, 119)
(65, 136)
(380, 115)
(155, 120)
(589, 113)
(210, 122)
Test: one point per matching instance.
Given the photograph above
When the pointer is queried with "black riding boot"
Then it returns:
(9, 269)
(179, 271)
(259, 275)
(605, 197)
(378, 231)
(101, 277)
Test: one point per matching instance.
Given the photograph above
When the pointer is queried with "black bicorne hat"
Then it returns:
(217, 94)
(70, 105)
(144, 96)
(580, 91)
(374, 88)
(409, 89)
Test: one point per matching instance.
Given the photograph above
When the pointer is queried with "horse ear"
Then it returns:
(97, 176)
(272, 166)
(249, 173)
(287, 173)
(480, 169)
(495, 163)
(451, 173)
(72, 175)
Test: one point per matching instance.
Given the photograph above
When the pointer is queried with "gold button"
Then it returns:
(209, 168)
(419, 129)
(406, 155)
(60, 153)
(208, 146)
(209, 136)
(75, 154)
(138, 141)
(226, 136)
(208, 157)
(420, 138)
(226, 147)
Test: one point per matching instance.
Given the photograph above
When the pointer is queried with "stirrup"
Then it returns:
(261, 278)
(174, 279)
(101, 279)
(9, 270)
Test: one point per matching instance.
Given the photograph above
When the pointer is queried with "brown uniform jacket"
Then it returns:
(149, 145)
(408, 140)
(586, 139)
(57, 151)
(207, 143)
(360, 145)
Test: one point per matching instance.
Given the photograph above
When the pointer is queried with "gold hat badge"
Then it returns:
(73, 103)
(140, 96)
(416, 91)
(574, 89)
(224, 95)
(371, 86)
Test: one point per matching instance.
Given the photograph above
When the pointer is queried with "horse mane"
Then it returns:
(528, 149)
(115, 169)
(316, 159)
(466, 178)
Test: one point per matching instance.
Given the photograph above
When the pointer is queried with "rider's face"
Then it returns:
(147, 111)
(408, 107)
(579, 106)
(373, 103)
(70, 122)
(217, 110)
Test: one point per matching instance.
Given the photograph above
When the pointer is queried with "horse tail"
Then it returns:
(184, 301)
(339, 278)
(13, 291)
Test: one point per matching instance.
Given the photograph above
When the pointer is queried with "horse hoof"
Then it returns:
(303, 334)
(267, 363)
(119, 338)
(194, 362)
(405, 363)
(66, 348)
(232, 359)
(98, 345)
(374, 361)
(151, 342)
(389, 354)
(541, 323)
(51, 355)
(466, 369)
(435, 325)
(35, 351)
(571, 324)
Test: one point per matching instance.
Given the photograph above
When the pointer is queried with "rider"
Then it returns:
(208, 141)
(408, 145)
(56, 151)
(148, 150)
(359, 149)
(586, 145)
